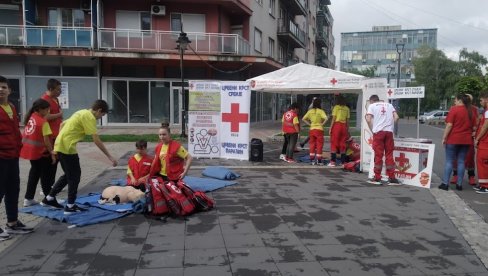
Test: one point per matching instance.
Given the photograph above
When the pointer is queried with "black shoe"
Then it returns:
(73, 210)
(444, 187)
(482, 191)
(4, 235)
(375, 181)
(18, 228)
(393, 182)
(477, 188)
(51, 203)
(302, 145)
(459, 188)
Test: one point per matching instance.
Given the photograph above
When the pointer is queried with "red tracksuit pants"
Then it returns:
(338, 137)
(316, 143)
(482, 166)
(383, 145)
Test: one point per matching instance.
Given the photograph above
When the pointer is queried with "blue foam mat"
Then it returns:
(221, 173)
(206, 184)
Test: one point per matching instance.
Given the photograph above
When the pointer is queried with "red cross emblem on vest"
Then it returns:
(333, 81)
(234, 117)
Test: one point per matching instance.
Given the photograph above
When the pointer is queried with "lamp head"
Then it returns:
(182, 41)
(400, 46)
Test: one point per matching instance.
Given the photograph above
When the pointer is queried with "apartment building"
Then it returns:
(382, 48)
(126, 52)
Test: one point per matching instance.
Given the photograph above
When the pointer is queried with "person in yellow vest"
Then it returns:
(316, 119)
(73, 130)
(339, 131)
(38, 149)
(10, 145)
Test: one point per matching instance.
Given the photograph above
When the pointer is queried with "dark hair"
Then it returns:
(4, 80)
(340, 100)
(52, 83)
(374, 98)
(36, 107)
(294, 106)
(100, 104)
(317, 103)
(141, 144)
(165, 125)
(484, 95)
(467, 103)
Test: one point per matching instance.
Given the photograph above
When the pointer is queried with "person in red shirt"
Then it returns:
(469, 162)
(10, 145)
(481, 143)
(38, 149)
(139, 166)
(460, 123)
(54, 118)
(291, 128)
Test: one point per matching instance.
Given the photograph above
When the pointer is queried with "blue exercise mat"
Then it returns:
(206, 184)
(93, 215)
(92, 200)
(220, 173)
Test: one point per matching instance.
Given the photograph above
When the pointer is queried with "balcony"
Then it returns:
(165, 41)
(50, 37)
(290, 32)
(323, 13)
(321, 38)
(296, 7)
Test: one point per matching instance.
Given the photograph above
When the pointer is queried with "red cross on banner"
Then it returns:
(402, 160)
(333, 81)
(234, 117)
(390, 92)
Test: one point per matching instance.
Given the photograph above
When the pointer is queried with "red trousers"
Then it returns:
(482, 166)
(338, 137)
(383, 145)
(316, 143)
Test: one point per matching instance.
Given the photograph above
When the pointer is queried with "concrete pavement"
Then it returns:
(279, 220)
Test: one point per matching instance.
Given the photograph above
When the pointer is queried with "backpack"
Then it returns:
(173, 193)
(155, 199)
(352, 166)
(200, 199)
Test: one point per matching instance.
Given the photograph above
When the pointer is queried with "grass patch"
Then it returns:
(128, 137)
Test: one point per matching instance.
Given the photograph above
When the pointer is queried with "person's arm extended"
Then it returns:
(331, 123)
(369, 120)
(306, 121)
(55, 116)
(188, 160)
(395, 116)
(447, 130)
(49, 147)
(101, 146)
(482, 133)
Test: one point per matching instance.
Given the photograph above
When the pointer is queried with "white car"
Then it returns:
(435, 115)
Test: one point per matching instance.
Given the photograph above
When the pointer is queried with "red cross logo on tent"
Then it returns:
(234, 117)
(402, 160)
(333, 81)
(389, 92)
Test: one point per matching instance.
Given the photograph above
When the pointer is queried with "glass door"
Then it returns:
(138, 102)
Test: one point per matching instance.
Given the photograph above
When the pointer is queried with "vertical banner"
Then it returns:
(204, 95)
(64, 96)
(234, 127)
(413, 163)
(204, 134)
(370, 87)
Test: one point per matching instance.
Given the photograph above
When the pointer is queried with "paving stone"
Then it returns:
(114, 263)
(170, 271)
(249, 255)
(240, 226)
(301, 269)
(207, 271)
(204, 241)
(72, 262)
(122, 245)
(213, 257)
(296, 253)
(162, 243)
(234, 240)
(255, 269)
(161, 259)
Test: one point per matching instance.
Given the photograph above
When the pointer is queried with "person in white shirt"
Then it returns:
(381, 118)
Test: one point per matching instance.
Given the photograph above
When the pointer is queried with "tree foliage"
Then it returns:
(368, 72)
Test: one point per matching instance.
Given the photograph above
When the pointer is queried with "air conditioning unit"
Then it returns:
(364, 61)
(409, 59)
(379, 60)
(349, 60)
(270, 11)
(158, 10)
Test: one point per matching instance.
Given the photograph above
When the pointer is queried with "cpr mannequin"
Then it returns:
(118, 194)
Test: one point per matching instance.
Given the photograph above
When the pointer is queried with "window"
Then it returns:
(271, 48)
(133, 20)
(258, 40)
(66, 17)
(272, 7)
(260, 2)
(192, 23)
(281, 54)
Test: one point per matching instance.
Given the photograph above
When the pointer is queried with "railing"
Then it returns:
(285, 25)
(42, 36)
(165, 41)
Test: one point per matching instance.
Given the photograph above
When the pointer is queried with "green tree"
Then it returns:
(471, 63)
(368, 72)
(471, 85)
(438, 74)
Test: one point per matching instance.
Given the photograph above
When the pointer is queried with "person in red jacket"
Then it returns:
(37, 148)
(171, 160)
(481, 143)
(291, 129)
(10, 145)
(139, 166)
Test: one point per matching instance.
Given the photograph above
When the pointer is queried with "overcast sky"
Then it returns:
(459, 23)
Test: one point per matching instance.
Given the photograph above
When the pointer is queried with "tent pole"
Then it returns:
(418, 114)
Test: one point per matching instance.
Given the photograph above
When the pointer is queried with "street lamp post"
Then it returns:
(399, 48)
(389, 69)
(182, 44)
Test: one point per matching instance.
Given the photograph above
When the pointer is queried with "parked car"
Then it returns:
(435, 115)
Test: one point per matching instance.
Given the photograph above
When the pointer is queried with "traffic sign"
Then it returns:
(405, 92)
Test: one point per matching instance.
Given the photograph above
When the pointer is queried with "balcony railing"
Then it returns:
(165, 41)
(287, 26)
(42, 36)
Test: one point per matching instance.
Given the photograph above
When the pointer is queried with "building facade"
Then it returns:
(126, 52)
(380, 48)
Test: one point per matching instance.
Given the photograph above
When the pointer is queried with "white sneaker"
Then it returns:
(41, 193)
(30, 202)
(283, 157)
(331, 164)
(4, 235)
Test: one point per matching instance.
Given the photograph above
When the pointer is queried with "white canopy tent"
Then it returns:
(303, 78)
